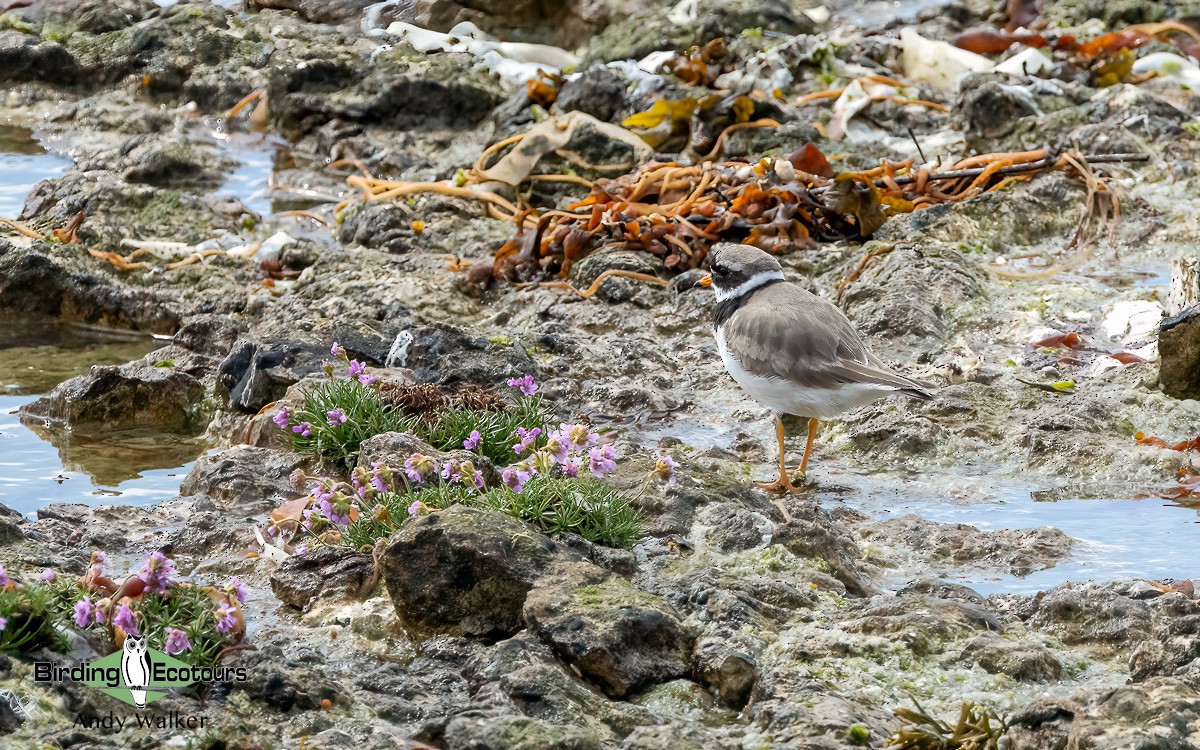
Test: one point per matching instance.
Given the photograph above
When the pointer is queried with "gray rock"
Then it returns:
(245, 479)
(136, 395)
(814, 533)
(163, 160)
(1017, 551)
(327, 573)
(728, 672)
(282, 683)
(1017, 659)
(38, 281)
(483, 731)
(601, 92)
(1098, 616)
(586, 271)
(24, 57)
(924, 624)
(318, 11)
(464, 571)
(616, 635)
(448, 355)
(383, 225)
(255, 374)
(1179, 354)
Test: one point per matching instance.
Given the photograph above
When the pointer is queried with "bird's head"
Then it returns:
(737, 269)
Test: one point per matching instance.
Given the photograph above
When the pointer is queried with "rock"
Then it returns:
(563, 24)
(586, 271)
(327, 573)
(317, 11)
(383, 225)
(1179, 353)
(924, 624)
(136, 395)
(601, 92)
(281, 683)
(616, 635)
(990, 105)
(38, 281)
(10, 721)
(254, 374)
(464, 571)
(729, 673)
(245, 479)
(814, 533)
(163, 160)
(24, 57)
(481, 731)
(389, 90)
(1019, 660)
(1018, 551)
(448, 355)
(1095, 615)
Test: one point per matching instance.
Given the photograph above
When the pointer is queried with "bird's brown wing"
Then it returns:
(785, 331)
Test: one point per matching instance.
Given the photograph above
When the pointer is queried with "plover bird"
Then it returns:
(790, 350)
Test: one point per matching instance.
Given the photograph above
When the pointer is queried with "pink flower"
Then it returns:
(472, 442)
(4, 579)
(85, 612)
(235, 586)
(225, 618)
(367, 379)
(570, 468)
(157, 572)
(602, 460)
(281, 419)
(124, 620)
(414, 509)
(525, 385)
(102, 610)
(177, 642)
(528, 438)
(581, 435)
(380, 475)
(357, 368)
(336, 417)
(3, 623)
(48, 575)
(515, 476)
(664, 468)
(418, 466)
(304, 429)
(336, 350)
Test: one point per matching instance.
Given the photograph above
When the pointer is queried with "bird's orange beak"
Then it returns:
(706, 281)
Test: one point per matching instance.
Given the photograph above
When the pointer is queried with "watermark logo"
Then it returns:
(137, 675)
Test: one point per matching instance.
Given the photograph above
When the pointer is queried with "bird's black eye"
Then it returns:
(719, 270)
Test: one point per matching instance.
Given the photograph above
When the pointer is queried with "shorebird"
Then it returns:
(790, 350)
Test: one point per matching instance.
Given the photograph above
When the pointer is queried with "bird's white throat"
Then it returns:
(749, 285)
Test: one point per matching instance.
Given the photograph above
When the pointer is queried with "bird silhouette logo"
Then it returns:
(135, 668)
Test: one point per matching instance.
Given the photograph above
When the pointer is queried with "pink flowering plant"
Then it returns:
(192, 622)
(338, 414)
(547, 475)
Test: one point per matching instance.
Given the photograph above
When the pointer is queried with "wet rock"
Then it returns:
(522, 672)
(1099, 616)
(814, 533)
(256, 373)
(733, 529)
(915, 298)
(1017, 659)
(280, 682)
(924, 624)
(318, 11)
(616, 635)
(24, 57)
(448, 355)
(992, 107)
(163, 160)
(600, 92)
(434, 91)
(1179, 353)
(383, 225)
(728, 672)
(564, 24)
(37, 280)
(246, 479)
(136, 395)
(586, 271)
(464, 571)
(481, 731)
(1019, 551)
(327, 573)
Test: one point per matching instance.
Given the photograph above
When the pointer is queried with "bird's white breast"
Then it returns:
(782, 396)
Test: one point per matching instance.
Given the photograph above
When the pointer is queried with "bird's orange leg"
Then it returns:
(812, 435)
(784, 482)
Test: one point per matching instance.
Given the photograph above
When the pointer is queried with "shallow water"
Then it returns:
(1122, 537)
(39, 466)
(24, 162)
